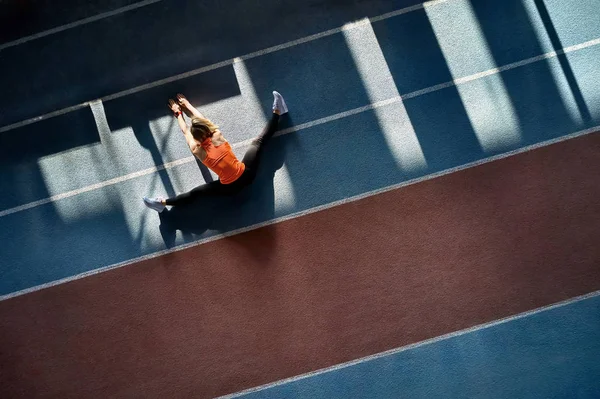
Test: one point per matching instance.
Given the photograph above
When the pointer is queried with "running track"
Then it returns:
(437, 174)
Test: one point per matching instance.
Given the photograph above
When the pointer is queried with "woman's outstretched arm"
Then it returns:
(182, 125)
(188, 108)
(173, 106)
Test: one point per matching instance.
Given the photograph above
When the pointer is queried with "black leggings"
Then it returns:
(251, 160)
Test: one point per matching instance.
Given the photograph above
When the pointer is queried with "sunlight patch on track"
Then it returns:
(487, 102)
(379, 83)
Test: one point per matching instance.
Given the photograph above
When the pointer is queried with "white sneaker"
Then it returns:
(154, 203)
(279, 103)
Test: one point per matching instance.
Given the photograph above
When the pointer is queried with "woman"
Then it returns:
(208, 144)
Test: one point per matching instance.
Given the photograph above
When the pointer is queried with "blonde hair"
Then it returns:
(202, 128)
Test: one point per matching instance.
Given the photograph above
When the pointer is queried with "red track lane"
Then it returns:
(350, 281)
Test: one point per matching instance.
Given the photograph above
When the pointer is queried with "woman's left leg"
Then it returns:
(214, 188)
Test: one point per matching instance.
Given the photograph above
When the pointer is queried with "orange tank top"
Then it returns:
(222, 161)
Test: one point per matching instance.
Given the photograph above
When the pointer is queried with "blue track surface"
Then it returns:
(98, 228)
(353, 153)
(154, 42)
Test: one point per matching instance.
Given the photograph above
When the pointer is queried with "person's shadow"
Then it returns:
(252, 205)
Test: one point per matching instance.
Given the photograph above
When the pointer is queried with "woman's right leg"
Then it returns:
(213, 188)
(253, 155)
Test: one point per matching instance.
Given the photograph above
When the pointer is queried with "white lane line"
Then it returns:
(430, 341)
(507, 67)
(245, 143)
(218, 65)
(300, 213)
(76, 23)
(316, 122)
(96, 186)
(44, 116)
(465, 79)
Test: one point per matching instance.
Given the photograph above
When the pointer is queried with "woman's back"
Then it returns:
(216, 153)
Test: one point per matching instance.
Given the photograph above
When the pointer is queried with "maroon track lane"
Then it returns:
(350, 281)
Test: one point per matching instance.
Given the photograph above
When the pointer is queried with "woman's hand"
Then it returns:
(184, 101)
(173, 106)
(187, 107)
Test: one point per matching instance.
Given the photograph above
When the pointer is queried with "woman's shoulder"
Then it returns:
(219, 135)
(218, 138)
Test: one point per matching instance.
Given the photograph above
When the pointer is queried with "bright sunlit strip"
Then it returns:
(558, 74)
(242, 114)
(377, 79)
(253, 104)
(285, 198)
(100, 118)
(486, 101)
